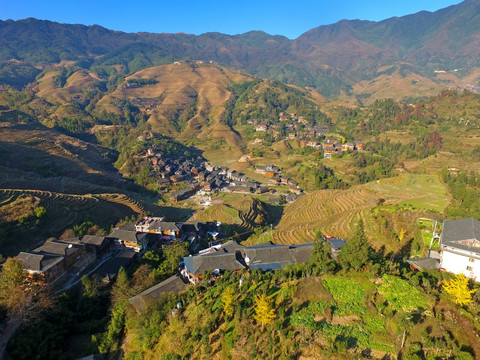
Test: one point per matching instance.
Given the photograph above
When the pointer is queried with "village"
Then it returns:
(63, 262)
(200, 176)
(314, 136)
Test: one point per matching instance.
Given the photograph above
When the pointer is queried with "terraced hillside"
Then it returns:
(185, 100)
(336, 212)
(332, 212)
(240, 213)
(48, 153)
(62, 211)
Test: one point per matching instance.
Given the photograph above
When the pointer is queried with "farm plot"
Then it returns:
(62, 211)
(332, 212)
(336, 212)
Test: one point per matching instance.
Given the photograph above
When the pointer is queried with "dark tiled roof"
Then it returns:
(111, 267)
(456, 231)
(425, 263)
(129, 227)
(301, 253)
(336, 243)
(268, 254)
(125, 235)
(222, 261)
(232, 246)
(58, 248)
(189, 228)
(37, 261)
(93, 240)
(173, 284)
(165, 225)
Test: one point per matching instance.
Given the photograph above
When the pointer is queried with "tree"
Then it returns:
(40, 212)
(458, 289)
(264, 311)
(82, 229)
(121, 290)
(23, 294)
(227, 299)
(357, 252)
(12, 281)
(91, 286)
(321, 257)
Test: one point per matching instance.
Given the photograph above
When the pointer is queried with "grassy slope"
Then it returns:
(177, 87)
(302, 329)
(74, 180)
(335, 212)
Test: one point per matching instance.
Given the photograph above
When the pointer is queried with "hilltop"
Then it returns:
(420, 53)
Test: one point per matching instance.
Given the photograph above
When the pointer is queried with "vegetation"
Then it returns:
(21, 295)
(264, 312)
(75, 127)
(459, 290)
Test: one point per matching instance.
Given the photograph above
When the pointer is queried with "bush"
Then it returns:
(400, 295)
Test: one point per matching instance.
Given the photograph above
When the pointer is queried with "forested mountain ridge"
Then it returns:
(331, 58)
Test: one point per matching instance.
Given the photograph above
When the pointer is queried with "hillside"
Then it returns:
(73, 180)
(336, 213)
(186, 101)
(436, 50)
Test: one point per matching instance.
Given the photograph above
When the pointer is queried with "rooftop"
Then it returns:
(462, 234)
(57, 247)
(38, 262)
(173, 284)
(93, 240)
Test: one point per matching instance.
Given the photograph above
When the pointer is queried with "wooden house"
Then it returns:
(70, 252)
(46, 266)
(359, 145)
(348, 147)
(137, 241)
(263, 126)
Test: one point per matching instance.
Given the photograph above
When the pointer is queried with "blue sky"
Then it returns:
(288, 18)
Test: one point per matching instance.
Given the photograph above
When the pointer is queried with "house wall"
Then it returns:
(457, 263)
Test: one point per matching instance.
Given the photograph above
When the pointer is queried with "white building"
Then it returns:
(460, 247)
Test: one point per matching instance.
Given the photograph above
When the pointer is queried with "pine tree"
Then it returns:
(264, 311)
(121, 290)
(458, 289)
(321, 257)
(357, 252)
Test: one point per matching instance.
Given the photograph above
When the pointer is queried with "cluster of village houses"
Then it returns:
(76, 255)
(309, 138)
(233, 256)
(333, 146)
(199, 174)
(459, 254)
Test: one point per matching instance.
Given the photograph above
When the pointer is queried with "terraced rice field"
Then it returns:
(336, 212)
(69, 208)
(64, 211)
(332, 212)
(244, 211)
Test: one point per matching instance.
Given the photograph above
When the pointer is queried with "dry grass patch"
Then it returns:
(311, 289)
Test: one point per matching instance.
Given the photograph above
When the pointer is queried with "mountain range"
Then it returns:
(426, 48)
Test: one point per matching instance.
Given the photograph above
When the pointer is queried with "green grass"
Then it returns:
(422, 191)
(426, 229)
(230, 211)
(349, 295)
(400, 295)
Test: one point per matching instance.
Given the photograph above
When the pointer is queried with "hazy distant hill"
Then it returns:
(331, 58)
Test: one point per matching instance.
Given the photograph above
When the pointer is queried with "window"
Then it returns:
(469, 268)
(471, 260)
